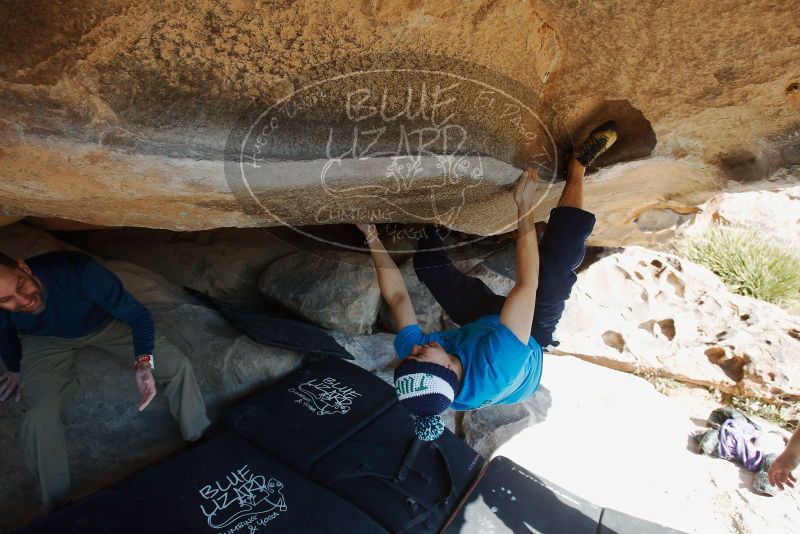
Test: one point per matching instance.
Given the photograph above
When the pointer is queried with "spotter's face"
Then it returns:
(20, 292)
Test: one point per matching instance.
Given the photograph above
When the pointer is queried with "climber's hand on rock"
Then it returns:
(525, 192)
(370, 231)
(780, 472)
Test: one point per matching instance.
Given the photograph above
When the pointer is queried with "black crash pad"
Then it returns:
(510, 499)
(306, 415)
(87, 515)
(220, 487)
(269, 329)
(381, 449)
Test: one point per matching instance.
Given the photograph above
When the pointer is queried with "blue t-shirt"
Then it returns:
(498, 367)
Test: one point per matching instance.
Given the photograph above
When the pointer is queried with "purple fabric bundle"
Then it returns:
(737, 440)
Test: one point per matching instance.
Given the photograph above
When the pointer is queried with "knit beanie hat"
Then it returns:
(426, 390)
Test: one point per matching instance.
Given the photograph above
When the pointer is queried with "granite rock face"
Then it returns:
(224, 262)
(644, 311)
(339, 294)
(773, 211)
(121, 114)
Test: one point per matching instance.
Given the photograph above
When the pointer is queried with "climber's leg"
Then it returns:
(572, 195)
(563, 244)
(464, 298)
(560, 252)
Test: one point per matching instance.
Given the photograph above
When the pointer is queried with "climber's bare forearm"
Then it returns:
(393, 287)
(527, 258)
(517, 312)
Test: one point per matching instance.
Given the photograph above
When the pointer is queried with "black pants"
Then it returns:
(466, 298)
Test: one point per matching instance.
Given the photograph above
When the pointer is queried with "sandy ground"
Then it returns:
(611, 438)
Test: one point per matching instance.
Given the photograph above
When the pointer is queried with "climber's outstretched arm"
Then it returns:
(517, 312)
(390, 279)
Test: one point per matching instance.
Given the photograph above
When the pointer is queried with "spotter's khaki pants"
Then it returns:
(48, 378)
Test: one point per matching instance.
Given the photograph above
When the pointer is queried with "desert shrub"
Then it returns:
(748, 262)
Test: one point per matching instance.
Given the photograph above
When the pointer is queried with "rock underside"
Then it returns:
(124, 114)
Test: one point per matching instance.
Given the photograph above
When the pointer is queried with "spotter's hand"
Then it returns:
(9, 384)
(145, 384)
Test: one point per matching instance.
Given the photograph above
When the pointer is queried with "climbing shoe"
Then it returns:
(598, 142)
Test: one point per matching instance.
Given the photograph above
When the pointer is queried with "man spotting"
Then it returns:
(495, 357)
(51, 306)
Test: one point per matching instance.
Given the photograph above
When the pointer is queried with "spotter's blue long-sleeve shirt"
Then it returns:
(81, 296)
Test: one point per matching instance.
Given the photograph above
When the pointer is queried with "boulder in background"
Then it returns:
(341, 294)
(644, 311)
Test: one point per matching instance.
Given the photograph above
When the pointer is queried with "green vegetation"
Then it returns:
(662, 384)
(748, 262)
(785, 415)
